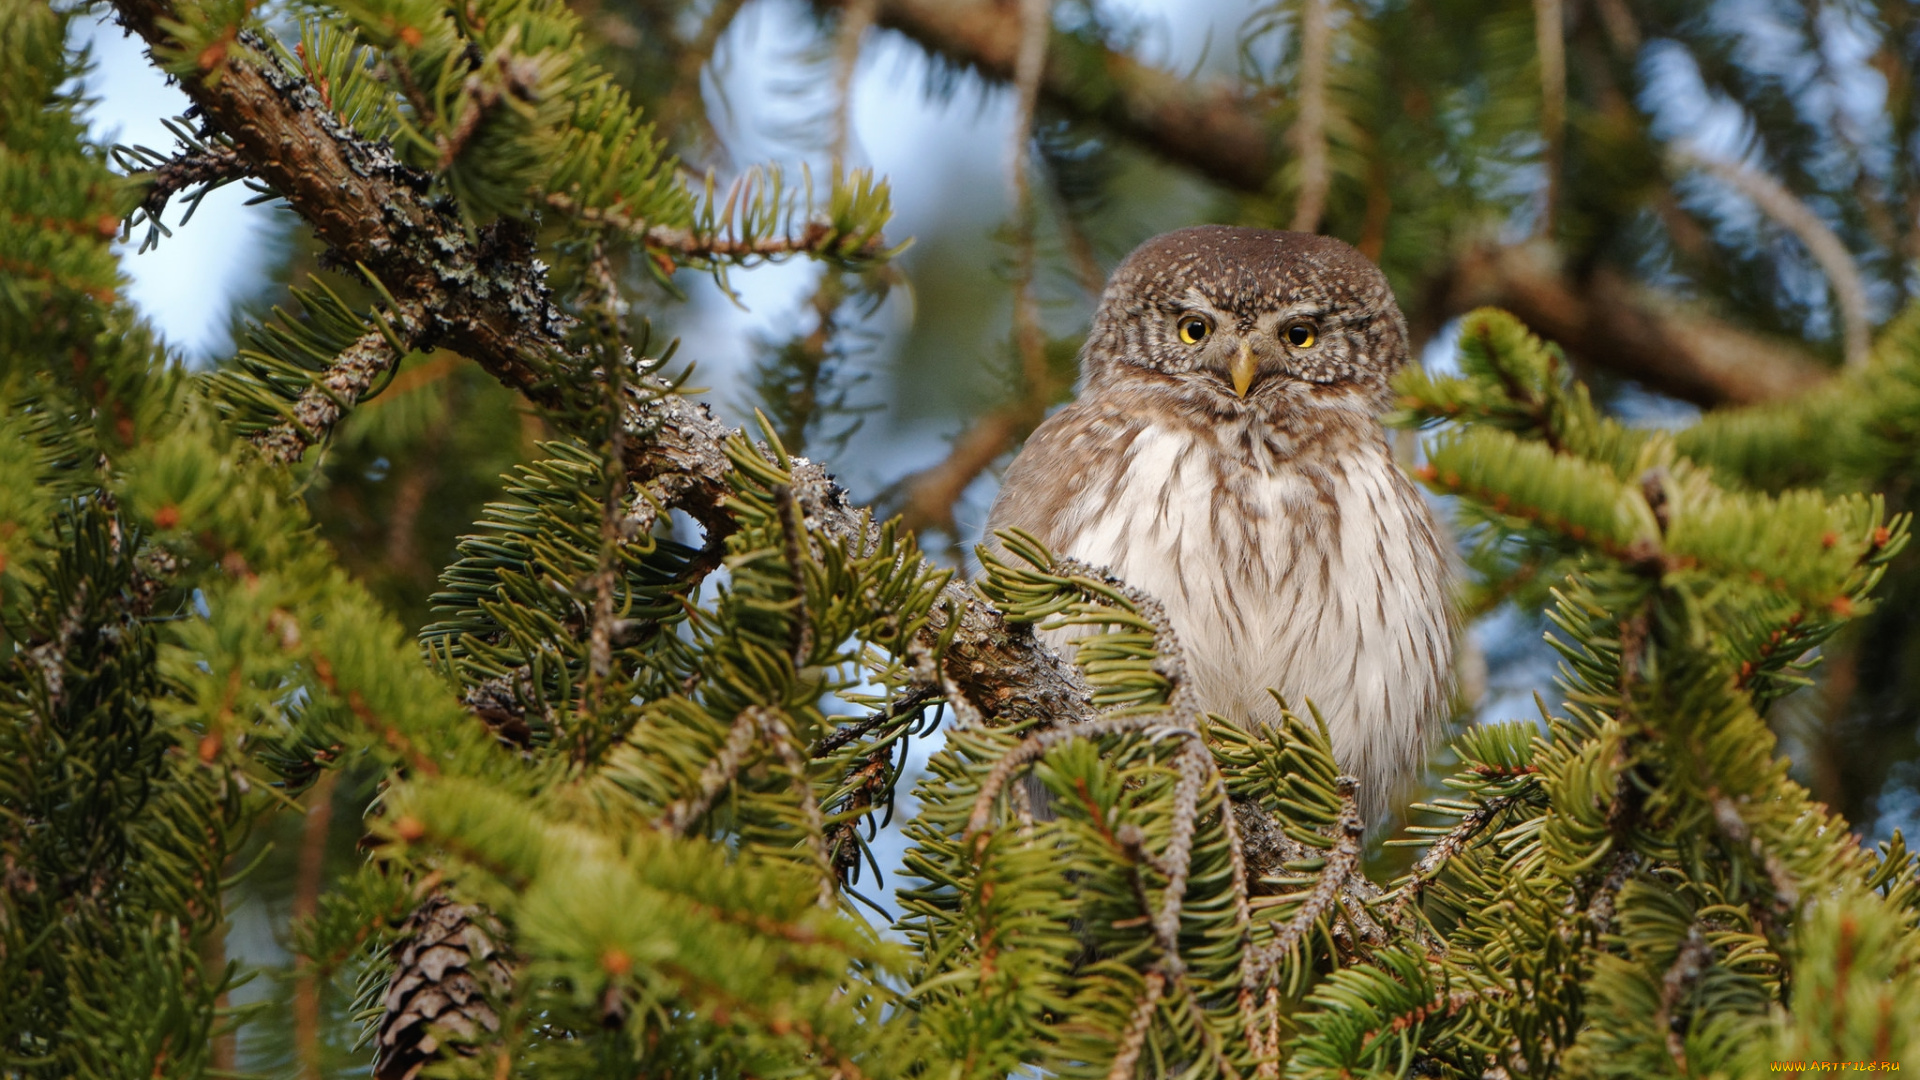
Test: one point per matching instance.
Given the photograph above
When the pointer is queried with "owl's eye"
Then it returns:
(1301, 333)
(1194, 328)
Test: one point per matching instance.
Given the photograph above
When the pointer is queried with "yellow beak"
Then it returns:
(1242, 370)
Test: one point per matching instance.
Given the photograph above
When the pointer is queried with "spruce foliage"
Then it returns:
(627, 780)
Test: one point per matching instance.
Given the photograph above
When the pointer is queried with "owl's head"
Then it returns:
(1237, 319)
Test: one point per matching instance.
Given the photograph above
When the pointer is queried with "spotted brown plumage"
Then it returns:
(1225, 454)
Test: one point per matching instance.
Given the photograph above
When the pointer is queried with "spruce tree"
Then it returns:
(620, 785)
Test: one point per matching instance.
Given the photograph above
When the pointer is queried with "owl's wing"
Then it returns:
(1079, 449)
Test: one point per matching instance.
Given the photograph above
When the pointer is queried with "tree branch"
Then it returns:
(332, 394)
(1222, 134)
(1550, 45)
(816, 238)
(1607, 321)
(1826, 247)
(211, 165)
(928, 496)
(1213, 128)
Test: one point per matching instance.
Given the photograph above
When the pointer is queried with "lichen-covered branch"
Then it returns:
(352, 374)
(485, 296)
(203, 165)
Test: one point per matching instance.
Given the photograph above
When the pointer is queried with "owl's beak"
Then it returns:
(1243, 368)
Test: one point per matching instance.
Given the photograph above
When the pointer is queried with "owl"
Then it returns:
(1225, 454)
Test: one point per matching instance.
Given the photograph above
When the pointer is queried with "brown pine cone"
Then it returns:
(445, 969)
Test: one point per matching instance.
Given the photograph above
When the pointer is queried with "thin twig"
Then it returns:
(912, 701)
(1193, 767)
(1600, 907)
(717, 774)
(1777, 202)
(1265, 1038)
(1443, 1005)
(777, 732)
(927, 497)
(1135, 1038)
(1036, 746)
(607, 311)
(1257, 964)
(689, 245)
(1695, 955)
(211, 164)
(337, 390)
(795, 551)
(760, 722)
(306, 896)
(1443, 850)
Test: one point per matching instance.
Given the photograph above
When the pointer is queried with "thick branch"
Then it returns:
(1214, 129)
(1607, 320)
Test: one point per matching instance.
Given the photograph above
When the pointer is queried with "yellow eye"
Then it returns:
(1301, 333)
(1193, 329)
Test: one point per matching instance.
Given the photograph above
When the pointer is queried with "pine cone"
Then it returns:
(446, 969)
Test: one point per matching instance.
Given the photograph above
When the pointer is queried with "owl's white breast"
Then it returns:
(1321, 578)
